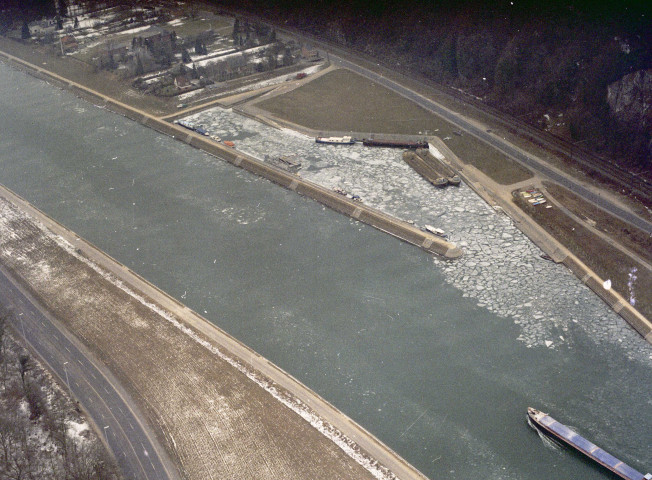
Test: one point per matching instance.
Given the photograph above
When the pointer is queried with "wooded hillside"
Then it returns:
(559, 65)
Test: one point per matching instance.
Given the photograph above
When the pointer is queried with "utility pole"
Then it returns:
(66, 372)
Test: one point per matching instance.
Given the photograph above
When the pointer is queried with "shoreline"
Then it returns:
(354, 440)
(355, 210)
(528, 226)
(371, 216)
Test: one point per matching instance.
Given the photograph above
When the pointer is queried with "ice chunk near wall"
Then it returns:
(435, 153)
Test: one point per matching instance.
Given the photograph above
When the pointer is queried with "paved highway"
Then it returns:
(498, 143)
(110, 409)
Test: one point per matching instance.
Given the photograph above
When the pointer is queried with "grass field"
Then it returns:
(345, 101)
(629, 236)
(606, 261)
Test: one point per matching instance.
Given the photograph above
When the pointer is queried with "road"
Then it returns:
(498, 143)
(110, 409)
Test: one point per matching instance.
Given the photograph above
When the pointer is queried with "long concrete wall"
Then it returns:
(340, 203)
(552, 247)
(373, 217)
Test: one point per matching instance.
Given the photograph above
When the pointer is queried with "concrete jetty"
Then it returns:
(386, 223)
(548, 244)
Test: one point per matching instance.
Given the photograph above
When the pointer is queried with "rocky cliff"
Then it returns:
(578, 63)
(630, 99)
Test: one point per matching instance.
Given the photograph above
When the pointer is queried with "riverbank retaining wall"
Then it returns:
(552, 247)
(342, 204)
(333, 200)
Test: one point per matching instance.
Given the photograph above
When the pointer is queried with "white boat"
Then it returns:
(335, 140)
(435, 231)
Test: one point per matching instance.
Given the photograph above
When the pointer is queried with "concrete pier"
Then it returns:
(375, 218)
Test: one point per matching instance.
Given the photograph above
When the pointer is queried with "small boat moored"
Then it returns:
(335, 140)
(373, 142)
(551, 427)
(435, 231)
(455, 180)
(439, 182)
(191, 126)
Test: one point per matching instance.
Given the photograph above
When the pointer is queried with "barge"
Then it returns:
(435, 161)
(370, 142)
(290, 163)
(192, 126)
(423, 169)
(551, 427)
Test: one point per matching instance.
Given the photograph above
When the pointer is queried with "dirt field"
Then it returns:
(215, 420)
(344, 101)
(627, 235)
(606, 261)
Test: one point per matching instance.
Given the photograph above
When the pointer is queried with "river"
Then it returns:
(438, 359)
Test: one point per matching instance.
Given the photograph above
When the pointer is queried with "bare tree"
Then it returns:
(3, 357)
(17, 449)
(24, 366)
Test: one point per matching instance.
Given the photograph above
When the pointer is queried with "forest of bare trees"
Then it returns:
(580, 70)
(38, 438)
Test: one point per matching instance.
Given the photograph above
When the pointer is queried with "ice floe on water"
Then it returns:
(501, 268)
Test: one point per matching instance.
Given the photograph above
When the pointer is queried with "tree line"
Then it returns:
(533, 60)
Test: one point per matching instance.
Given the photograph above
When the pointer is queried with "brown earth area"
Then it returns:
(629, 236)
(606, 261)
(216, 420)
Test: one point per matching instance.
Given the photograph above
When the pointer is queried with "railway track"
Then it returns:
(629, 181)
(595, 165)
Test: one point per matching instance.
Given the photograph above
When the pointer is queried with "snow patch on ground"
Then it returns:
(435, 153)
(77, 431)
(187, 95)
(135, 30)
(8, 215)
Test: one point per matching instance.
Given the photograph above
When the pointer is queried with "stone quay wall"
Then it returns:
(375, 218)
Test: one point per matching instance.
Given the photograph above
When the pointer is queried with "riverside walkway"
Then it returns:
(219, 409)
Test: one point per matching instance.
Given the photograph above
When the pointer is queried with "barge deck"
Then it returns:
(549, 426)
